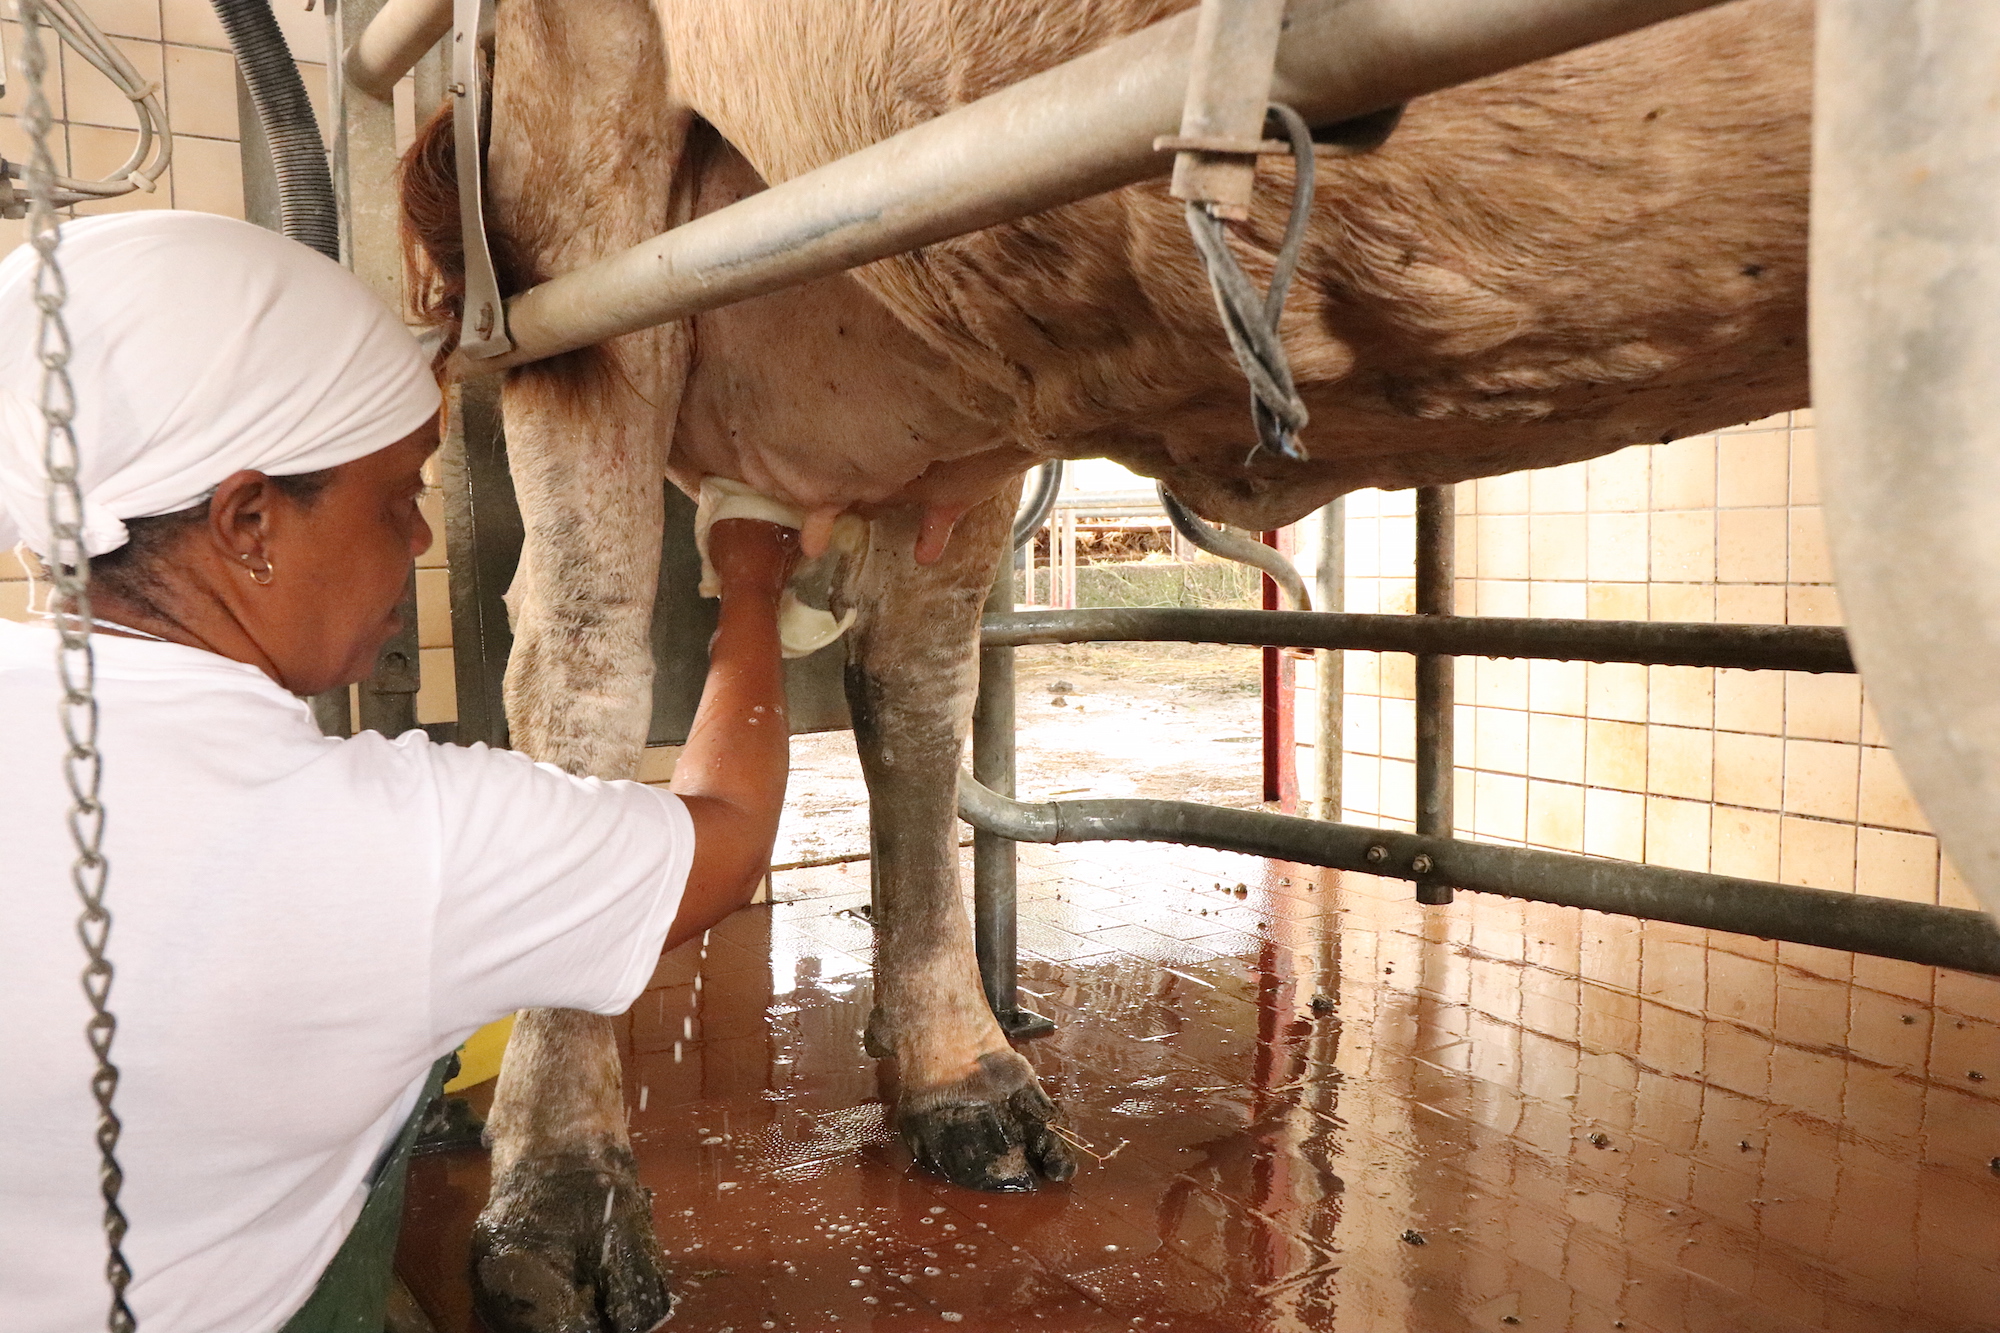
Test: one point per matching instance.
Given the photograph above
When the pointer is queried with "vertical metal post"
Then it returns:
(1436, 534)
(1063, 590)
(364, 183)
(482, 525)
(482, 521)
(1330, 667)
(994, 899)
(993, 857)
(1281, 755)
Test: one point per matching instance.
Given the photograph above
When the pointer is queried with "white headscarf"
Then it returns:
(200, 346)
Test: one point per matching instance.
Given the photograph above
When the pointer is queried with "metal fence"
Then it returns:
(1433, 859)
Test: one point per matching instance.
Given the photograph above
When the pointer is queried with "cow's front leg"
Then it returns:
(970, 1107)
(566, 1242)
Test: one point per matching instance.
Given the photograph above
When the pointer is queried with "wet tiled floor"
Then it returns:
(1306, 1103)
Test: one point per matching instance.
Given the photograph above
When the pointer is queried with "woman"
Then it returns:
(301, 926)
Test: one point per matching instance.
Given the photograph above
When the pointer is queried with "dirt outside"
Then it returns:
(1172, 721)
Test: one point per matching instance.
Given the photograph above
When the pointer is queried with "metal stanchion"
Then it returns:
(1330, 665)
(1436, 532)
(994, 886)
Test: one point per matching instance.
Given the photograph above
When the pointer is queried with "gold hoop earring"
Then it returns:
(270, 568)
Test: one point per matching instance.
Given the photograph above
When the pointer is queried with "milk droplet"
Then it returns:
(950, 1316)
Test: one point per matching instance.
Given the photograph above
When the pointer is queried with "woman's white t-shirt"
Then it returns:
(300, 927)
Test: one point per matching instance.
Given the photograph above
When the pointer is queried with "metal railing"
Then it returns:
(1432, 859)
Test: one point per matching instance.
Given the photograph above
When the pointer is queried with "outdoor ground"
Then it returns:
(1175, 721)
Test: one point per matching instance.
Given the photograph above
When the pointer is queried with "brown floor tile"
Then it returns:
(1583, 1123)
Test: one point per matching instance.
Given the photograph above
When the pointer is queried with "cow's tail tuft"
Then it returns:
(433, 245)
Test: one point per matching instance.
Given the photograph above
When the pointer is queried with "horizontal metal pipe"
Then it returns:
(1658, 643)
(393, 42)
(1079, 129)
(1885, 927)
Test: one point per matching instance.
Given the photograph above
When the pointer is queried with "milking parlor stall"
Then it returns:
(1483, 813)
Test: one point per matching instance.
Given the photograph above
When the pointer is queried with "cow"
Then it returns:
(1597, 250)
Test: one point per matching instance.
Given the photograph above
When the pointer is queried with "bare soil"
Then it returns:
(1172, 721)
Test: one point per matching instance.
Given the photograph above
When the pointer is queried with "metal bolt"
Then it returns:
(1377, 855)
(1421, 864)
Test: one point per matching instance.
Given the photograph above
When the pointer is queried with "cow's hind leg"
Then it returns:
(565, 1244)
(970, 1108)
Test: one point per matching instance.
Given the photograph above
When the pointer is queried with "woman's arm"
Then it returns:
(731, 774)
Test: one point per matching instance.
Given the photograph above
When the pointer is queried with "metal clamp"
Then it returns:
(1222, 120)
(1221, 145)
(483, 322)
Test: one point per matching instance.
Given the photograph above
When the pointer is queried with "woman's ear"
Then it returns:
(239, 515)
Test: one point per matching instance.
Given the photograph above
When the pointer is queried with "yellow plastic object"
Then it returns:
(479, 1058)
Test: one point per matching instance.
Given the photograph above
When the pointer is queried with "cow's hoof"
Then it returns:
(569, 1248)
(993, 1131)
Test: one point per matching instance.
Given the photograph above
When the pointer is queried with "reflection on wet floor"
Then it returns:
(1307, 1103)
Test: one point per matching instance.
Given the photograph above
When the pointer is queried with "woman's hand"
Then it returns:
(750, 556)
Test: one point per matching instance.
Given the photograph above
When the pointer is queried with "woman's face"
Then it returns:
(339, 564)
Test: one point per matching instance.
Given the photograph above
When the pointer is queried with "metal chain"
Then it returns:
(76, 666)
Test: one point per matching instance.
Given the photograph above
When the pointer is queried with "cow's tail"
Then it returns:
(433, 244)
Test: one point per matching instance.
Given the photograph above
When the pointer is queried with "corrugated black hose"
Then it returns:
(305, 185)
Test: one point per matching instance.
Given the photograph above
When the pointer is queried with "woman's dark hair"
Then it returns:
(133, 572)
